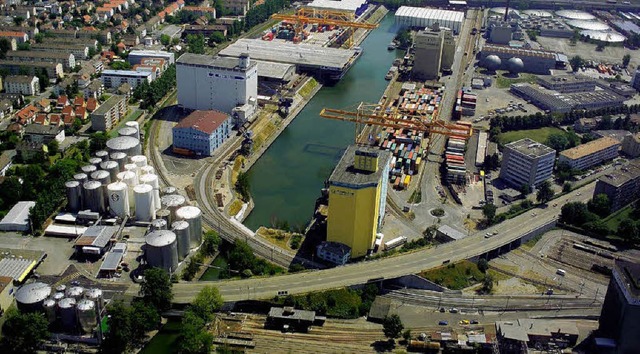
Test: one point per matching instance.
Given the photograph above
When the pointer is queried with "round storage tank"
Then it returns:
(131, 167)
(172, 202)
(128, 131)
(113, 168)
(162, 250)
(75, 292)
(120, 158)
(131, 180)
(118, 193)
(169, 190)
(193, 216)
(575, 15)
(608, 36)
(104, 178)
(81, 177)
(133, 124)
(152, 180)
(139, 160)
(144, 202)
(74, 196)
(67, 308)
(93, 196)
(89, 169)
(87, 316)
(95, 295)
(30, 297)
(58, 296)
(158, 224)
(96, 161)
(102, 155)
(61, 287)
(164, 214)
(181, 229)
(515, 65)
(50, 308)
(127, 144)
(492, 62)
(147, 170)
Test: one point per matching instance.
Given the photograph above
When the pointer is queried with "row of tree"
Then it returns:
(151, 94)
(261, 13)
(211, 242)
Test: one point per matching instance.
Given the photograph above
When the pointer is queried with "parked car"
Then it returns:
(443, 323)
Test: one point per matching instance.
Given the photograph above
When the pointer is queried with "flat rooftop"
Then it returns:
(589, 148)
(289, 53)
(530, 148)
(273, 70)
(212, 61)
(622, 174)
(290, 313)
(346, 175)
(630, 275)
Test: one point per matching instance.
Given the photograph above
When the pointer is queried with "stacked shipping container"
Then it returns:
(454, 154)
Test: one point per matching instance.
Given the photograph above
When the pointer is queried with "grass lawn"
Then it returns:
(455, 276)
(612, 221)
(505, 82)
(132, 116)
(540, 135)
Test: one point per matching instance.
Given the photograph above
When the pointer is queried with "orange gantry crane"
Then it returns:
(306, 16)
(374, 114)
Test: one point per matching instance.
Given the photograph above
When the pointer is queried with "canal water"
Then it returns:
(287, 179)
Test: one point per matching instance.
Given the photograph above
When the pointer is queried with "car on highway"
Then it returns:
(464, 322)
(453, 310)
(488, 234)
(443, 323)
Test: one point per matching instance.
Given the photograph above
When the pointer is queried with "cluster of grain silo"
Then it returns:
(74, 309)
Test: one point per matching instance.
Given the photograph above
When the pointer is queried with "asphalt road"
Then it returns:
(411, 263)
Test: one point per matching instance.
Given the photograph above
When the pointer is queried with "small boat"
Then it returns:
(391, 46)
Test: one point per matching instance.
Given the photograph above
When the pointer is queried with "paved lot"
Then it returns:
(59, 250)
(612, 55)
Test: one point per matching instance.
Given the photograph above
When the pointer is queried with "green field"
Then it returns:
(612, 221)
(540, 135)
(506, 82)
(455, 276)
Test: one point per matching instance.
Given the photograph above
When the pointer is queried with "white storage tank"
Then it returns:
(144, 202)
(118, 199)
(30, 297)
(131, 180)
(96, 296)
(58, 296)
(103, 155)
(75, 292)
(172, 202)
(93, 196)
(87, 316)
(128, 131)
(192, 215)
(158, 224)
(132, 167)
(50, 309)
(163, 214)
(96, 161)
(74, 196)
(181, 229)
(61, 288)
(119, 157)
(127, 144)
(104, 178)
(152, 179)
(89, 169)
(147, 170)
(112, 167)
(67, 309)
(81, 177)
(140, 161)
(169, 190)
(162, 250)
(135, 125)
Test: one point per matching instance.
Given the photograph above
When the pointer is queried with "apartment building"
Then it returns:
(115, 78)
(68, 60)
(109, 113)
(23, 84)
(590, 154)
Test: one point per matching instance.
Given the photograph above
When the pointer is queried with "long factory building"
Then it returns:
(327, 64)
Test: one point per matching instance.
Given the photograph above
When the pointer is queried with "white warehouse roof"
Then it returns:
(348, 5)
(17, 219)
(425, 17)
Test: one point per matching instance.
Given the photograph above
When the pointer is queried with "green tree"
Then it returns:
(54, 147)
(566, 187)
(626, 59)
(483, 265)
(242, 186)
(545, 193)
(165, 39)
(193, 340)
(557, 141)
(406, 335)
(628, 231)
(216, 37)
(195, 43)
(576, 213)
(206, 303)
(5, 46)
(487, 284)
(492, 162)
(392, 326)
(120, 65)
(489, 212)
(600, 205)
(39, 37)
(210, 243)
(241, 256)
(43, 79)
(576, 62)
(525, 189)
(23, 332)
(18, 20)
(98, 141)
(144, 318)
(156, 288)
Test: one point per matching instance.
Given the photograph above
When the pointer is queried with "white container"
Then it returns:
(152, 180)
(144, 202)
(118, 199)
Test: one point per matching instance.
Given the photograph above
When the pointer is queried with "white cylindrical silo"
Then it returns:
(136, 126)
(89, 169)
(119, 157)
(93, 196)
(169, 190)
(103, 155)
(81, 177)
(131, 180)
(127, 144)
(131, 167)
(95, 161)
(112, 167)
(158, 224)
(58, 296)
(147, 170)
(140, 161)
(181, 229)
(96, 296)
(144, 202)
(74, 196)
(67, 309)
(152, 180)
(128, 131)
(87, 315)
(164, 214)
(172, 202)
(192, 215)
(101, 176)
(118, 199)
(161, 250)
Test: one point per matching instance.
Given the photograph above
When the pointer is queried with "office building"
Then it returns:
(431, 53)
(218, 83)
(622, 185)
(22, 84)
(590, 154)
(357, 198)
(526, 162)
(621, 308)
(109, 113)
(135, 56)
(201, 132)
(333, 252)
(115, 78)
(631, 145)
(567, 83)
